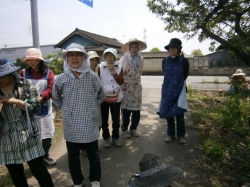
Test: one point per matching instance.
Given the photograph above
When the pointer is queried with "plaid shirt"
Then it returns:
(79, 99)
(16, 144)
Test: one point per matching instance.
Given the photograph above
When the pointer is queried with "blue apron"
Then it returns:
(171, 88)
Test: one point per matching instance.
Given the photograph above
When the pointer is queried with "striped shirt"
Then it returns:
(79, 99)
(16, 144)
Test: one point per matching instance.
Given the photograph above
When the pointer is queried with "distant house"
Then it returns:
(90, 41)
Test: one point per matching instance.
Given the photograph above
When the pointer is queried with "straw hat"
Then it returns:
(141, 44)
(239, 72)
(5, 67)
(74, 47)
(33, 53)
(155, 173)
(92, 54)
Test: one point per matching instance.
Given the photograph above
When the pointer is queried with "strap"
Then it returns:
(28, 118)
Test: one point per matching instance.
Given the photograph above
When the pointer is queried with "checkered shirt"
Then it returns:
(79, 99)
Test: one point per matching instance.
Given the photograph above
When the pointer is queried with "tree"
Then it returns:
(225, 22)
(155, 49)
(196, 52)
(20, 63)
(56, 63)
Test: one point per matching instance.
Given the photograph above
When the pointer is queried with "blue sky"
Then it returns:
(120, 19)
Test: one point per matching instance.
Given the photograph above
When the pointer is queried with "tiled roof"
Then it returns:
(103, 41)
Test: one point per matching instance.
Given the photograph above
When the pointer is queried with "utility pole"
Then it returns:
(34, 22)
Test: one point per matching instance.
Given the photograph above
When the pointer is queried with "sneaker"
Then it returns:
(182, 140)
(126, 134)
(168, 139)
(134, 133)
(95, 184)
(83, 152)
(49, 161)
(116, 142)
(106, 143)
(79, 185)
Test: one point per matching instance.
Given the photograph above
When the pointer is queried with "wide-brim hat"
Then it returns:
(174, 42)
(141, 44)
(155, 173)
(74, 47)
(33, 53)
(93, 54)
(239, 72)
(6, 68)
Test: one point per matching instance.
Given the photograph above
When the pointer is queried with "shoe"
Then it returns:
(49, 161)
(182, 140)
(95, 184)
(134, 133)
(168, 139)
(106, 143)
(126, 134)
(116, 142)
(79, 185)
(83, 152)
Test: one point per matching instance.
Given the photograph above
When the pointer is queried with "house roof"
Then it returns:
(102, 41)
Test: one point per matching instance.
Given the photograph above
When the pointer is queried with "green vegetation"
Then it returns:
(222, 123)
(155, 49)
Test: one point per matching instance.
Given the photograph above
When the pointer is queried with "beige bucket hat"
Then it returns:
(92, 54)
(134, 40)
(33, 53)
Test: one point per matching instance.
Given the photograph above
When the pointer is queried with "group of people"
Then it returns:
(85, 92)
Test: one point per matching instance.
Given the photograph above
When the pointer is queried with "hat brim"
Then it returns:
(13, 69)
(126, 45)
(172, 45)
(162, 178)
(32, 57)
(65, 52)
(235, 74)
(93, 56)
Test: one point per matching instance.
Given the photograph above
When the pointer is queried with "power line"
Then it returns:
(2, 5)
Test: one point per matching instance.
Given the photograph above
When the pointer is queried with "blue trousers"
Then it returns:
(180, 126)
(136, 116)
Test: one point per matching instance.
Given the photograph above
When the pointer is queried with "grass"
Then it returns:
(222, 126)
(5, 179)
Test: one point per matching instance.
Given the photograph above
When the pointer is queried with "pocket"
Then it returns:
(44, 109)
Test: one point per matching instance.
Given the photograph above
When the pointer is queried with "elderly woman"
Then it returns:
(79, 92)
(19, 141)
(132, 63)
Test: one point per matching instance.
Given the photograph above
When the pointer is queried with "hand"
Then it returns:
(111, 69)
(8, 100)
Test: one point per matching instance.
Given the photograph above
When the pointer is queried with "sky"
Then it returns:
(120, 19)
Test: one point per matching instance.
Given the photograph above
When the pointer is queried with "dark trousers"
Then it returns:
(46, 146)
(180, 126)
(115, 114)
(75, 163)
(136, 116)
(37, 168)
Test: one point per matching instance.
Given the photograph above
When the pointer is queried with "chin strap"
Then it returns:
(136, 176)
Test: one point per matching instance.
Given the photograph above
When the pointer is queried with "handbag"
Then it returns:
(111, 98)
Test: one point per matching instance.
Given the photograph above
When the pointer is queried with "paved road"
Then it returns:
(118, 164)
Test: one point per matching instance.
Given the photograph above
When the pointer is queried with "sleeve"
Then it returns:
(57, 93)
(21, 73)
(185, 68)
(119, 78)
(98, 89)
(47, 94)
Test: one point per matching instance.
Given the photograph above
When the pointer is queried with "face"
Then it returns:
(133, 49)
(4, 81)
(75, 59)
(33, 63)
(173, 51)
(110, 58)
(94, 62)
